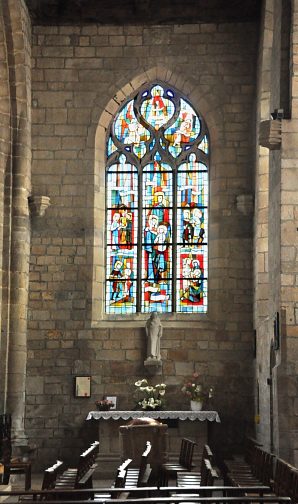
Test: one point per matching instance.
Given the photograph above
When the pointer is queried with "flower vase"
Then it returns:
(196, 405)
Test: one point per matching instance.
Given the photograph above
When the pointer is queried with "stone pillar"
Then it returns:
(5, 147)
(17, 27)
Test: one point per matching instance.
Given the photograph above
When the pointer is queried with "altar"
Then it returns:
(197, 425)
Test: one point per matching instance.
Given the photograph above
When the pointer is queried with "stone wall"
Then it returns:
(288, 424)
(266, 99)
(80, 76)
(276, 368)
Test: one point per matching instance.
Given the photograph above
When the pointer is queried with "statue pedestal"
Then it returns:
(153, 365)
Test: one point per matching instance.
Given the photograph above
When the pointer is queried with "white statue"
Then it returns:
(154, 333)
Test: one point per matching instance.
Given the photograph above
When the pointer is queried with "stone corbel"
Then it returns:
(245, 204)
(153, 366)
(38, 205)
(270, 134)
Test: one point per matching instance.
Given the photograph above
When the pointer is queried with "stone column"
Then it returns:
(5, 146)
(17, 27)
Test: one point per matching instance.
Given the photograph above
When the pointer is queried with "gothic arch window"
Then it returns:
(157, 206)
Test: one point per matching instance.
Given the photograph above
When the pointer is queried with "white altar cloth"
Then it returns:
(210, 416)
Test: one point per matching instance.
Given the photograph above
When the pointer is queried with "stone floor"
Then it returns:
(17, 482)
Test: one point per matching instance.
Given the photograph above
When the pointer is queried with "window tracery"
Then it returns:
(157, 206)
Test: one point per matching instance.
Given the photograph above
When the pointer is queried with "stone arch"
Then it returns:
(203, 101)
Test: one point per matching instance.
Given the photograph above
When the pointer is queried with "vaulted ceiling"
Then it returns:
(142, 11)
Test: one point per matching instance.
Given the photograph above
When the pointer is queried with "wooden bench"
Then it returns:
(202, 477)
(51, 474)
(81, 476)
(206, 477)
(137, 477)
(205, 500)
(108, 493)
(285, 481)
(119, 483)
(258, 471)
(171, 469)
(49, 479)
(13, 465)
(180, 499)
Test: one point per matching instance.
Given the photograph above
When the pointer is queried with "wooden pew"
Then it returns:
(285, 481)
(49, 479)
(259, 471)
(107, 493)
(180, 499)
(81, 476)
(13, 465)
(119, 483)
(206, 477)
(51, 474)
(245, 460)
(137, 477)
(171, 469)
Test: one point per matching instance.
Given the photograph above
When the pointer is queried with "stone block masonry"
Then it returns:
(80, 75)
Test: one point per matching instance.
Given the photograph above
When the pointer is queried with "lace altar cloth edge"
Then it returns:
(211, 416)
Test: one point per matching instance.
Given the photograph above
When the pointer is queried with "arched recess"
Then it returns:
(209, 109)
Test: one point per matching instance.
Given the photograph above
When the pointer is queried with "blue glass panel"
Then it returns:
(157, 235)
(185, 129)
(204, 145)
(156, 297)
(157, 110)
(121, 281)
(111, 147)
(122, 236)
(192, 226)
(157, 238)
(122, 185)
(129, 131)
(192, 285)
(151, 145)
(122, 228)
(149, 237)
(192, 184)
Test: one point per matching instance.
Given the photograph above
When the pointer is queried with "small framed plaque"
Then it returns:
(113, 399)
(82, 386)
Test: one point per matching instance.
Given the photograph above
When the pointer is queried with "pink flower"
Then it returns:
(195, 375)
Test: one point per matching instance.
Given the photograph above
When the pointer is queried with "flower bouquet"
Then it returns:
(195, 391)
(150, 397)
(104, 404)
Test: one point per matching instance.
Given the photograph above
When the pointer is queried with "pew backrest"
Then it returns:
(50, 475)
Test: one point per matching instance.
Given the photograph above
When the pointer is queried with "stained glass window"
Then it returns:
(157, 206)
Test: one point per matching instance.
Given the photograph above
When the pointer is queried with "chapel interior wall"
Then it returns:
(76, 73)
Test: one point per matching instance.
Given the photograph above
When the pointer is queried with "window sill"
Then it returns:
(138, 320)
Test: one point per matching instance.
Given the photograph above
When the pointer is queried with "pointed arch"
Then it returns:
(172, 148)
